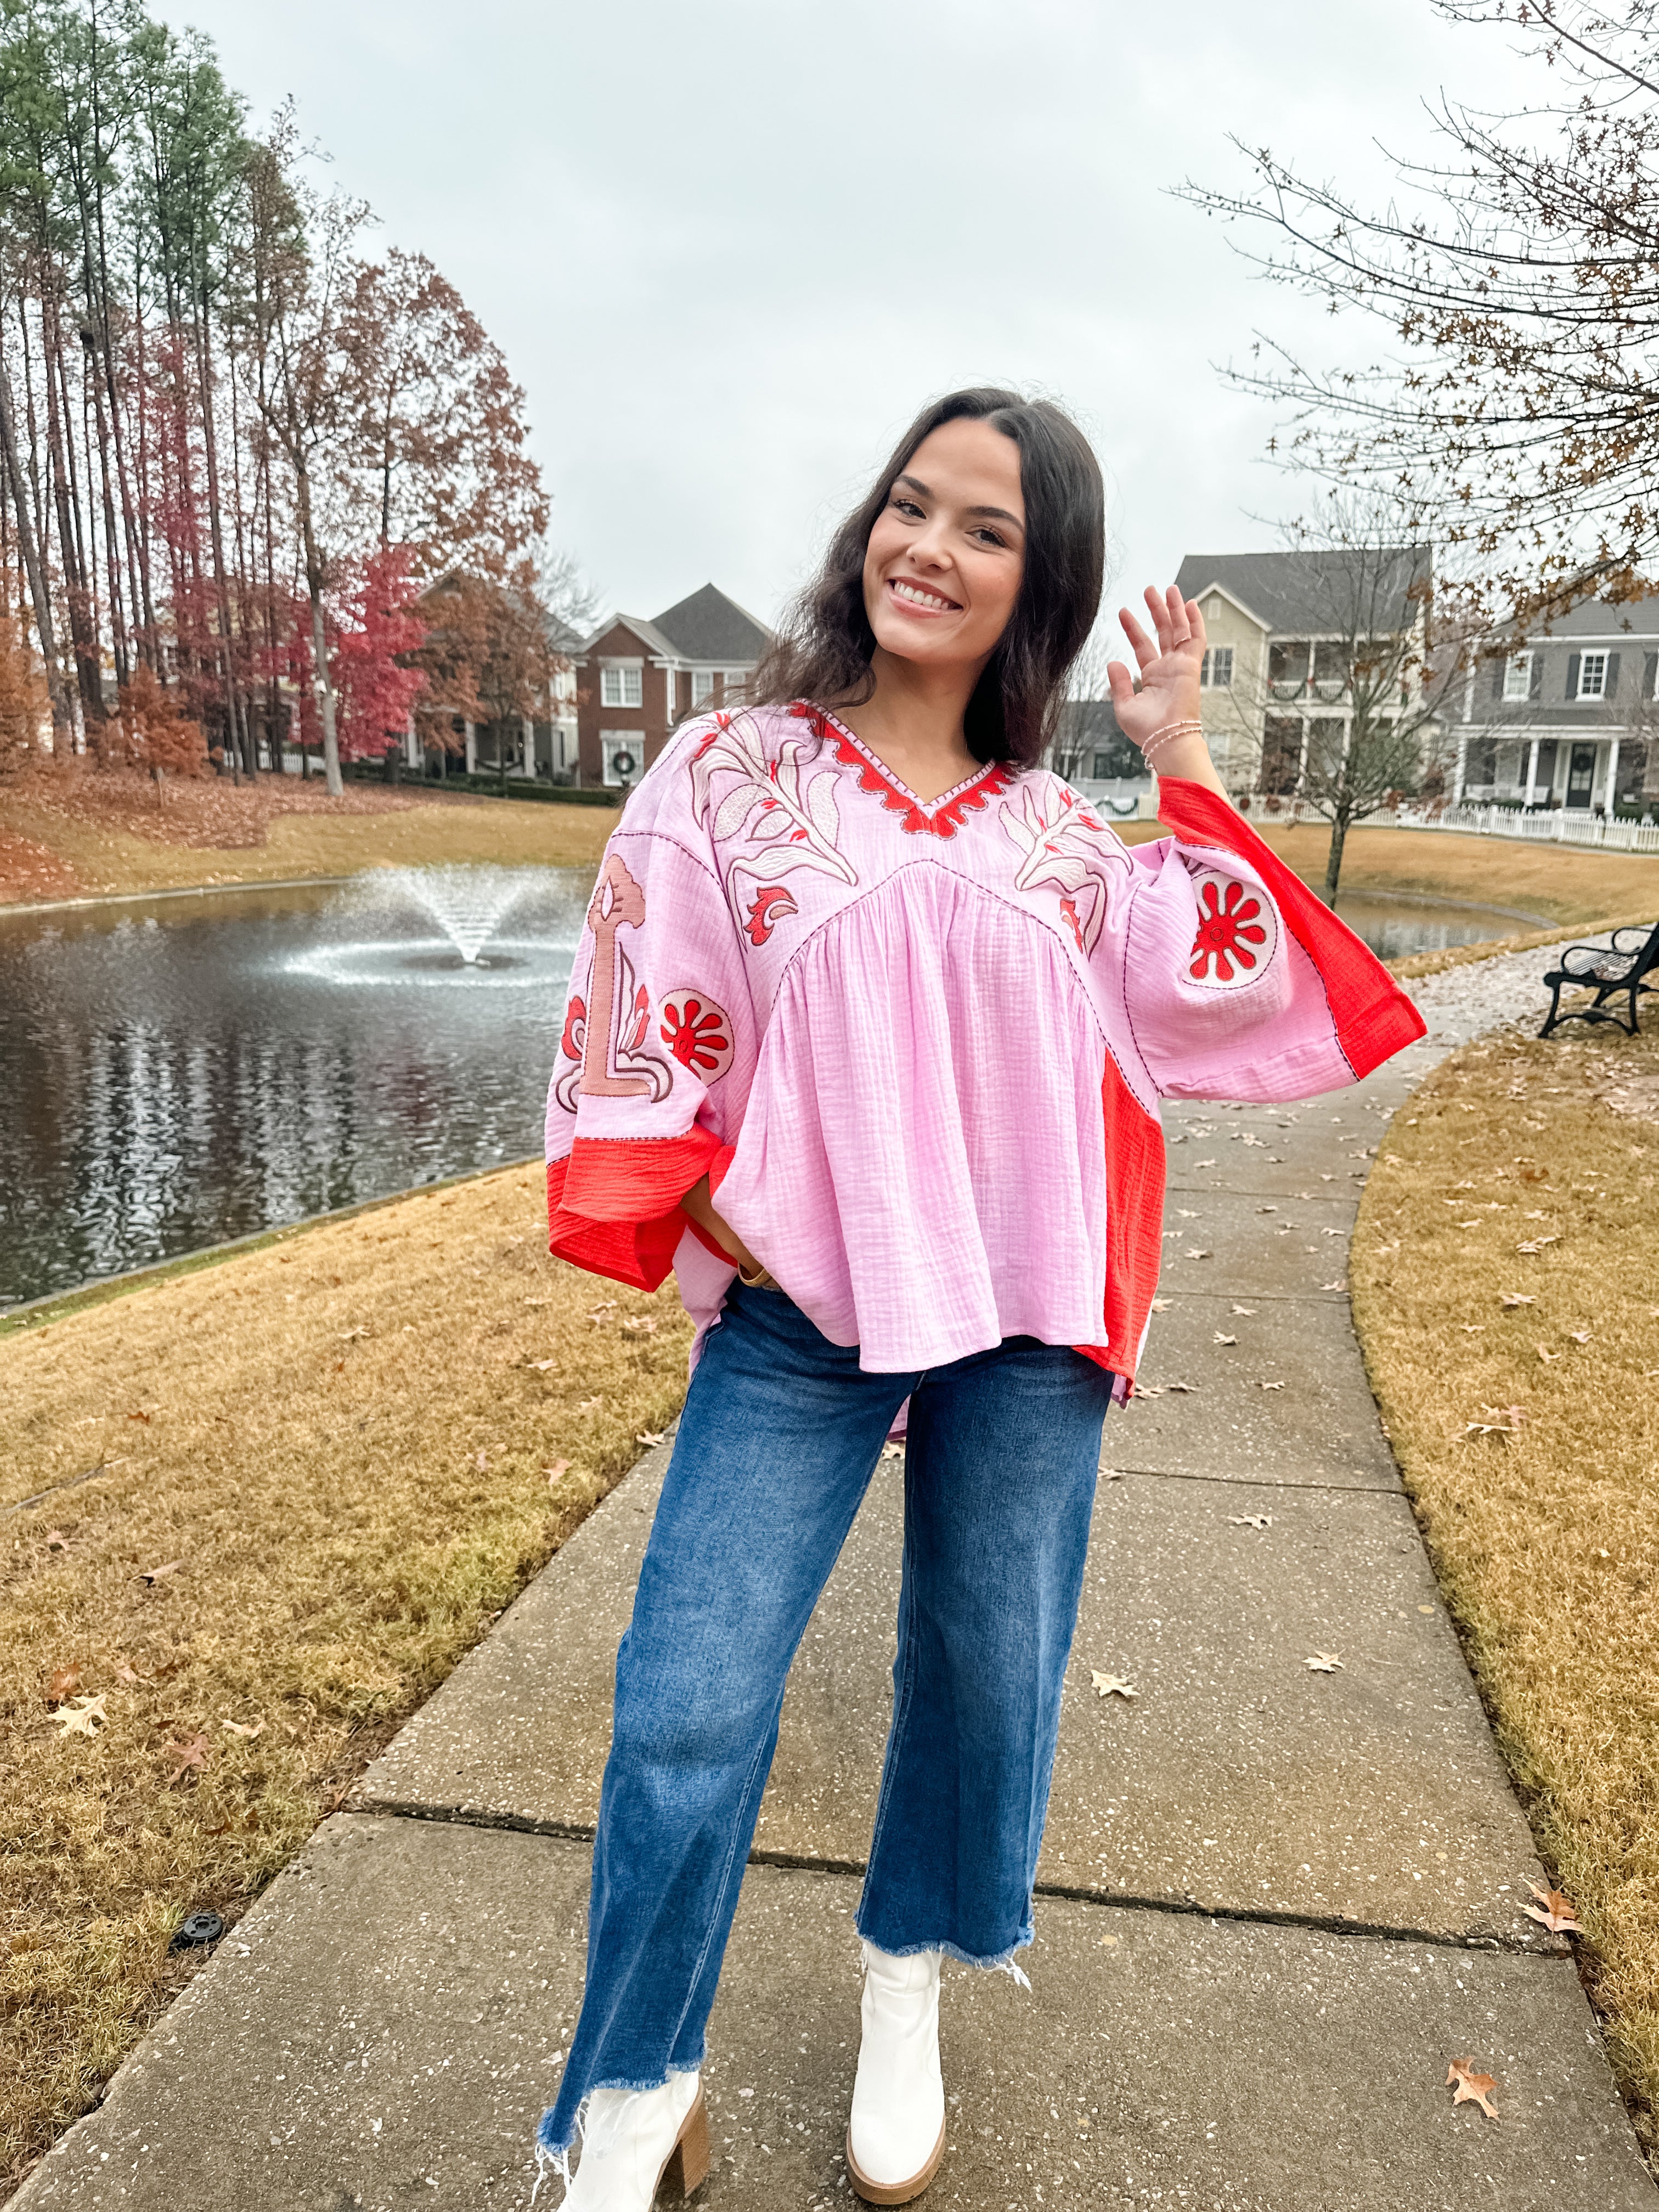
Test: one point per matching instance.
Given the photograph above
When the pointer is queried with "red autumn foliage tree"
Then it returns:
(376, 631)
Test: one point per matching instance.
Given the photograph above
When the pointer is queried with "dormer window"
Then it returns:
(1517, 676)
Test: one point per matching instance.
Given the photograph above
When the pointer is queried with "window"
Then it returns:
(735, 680)
(622, 687)
(1592, 676)
(1287, 665)
(1331, 661)
(702, 686)
(623, 754)
(1217, 673)
(1517, 676)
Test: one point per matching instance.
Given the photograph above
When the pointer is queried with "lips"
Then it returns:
(920, 599)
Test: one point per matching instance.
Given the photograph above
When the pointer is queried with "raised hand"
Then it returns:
(1169, 664)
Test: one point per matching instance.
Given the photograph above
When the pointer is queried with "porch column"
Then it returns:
(1611, 791)
(1532, 769)
(472, 750)
(1463, 764)
(411, 745)
(529, 735)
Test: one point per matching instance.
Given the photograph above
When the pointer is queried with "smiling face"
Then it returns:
(946, 553)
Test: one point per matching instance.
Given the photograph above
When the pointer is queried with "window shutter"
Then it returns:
(1497, 668)
(1572, 676)
(1537, 686)
(1611, 684)
(1650, 670)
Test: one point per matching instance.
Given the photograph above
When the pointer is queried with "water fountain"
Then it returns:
(468, 904)
(460, 938)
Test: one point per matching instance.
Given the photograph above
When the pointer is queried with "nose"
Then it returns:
(929, 549)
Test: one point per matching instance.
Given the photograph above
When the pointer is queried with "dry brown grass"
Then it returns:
(1572, 887)
(341, 1440)
(1546, 1539)
(91, 834)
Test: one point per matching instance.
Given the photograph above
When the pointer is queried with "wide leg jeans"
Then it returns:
(780, 1434)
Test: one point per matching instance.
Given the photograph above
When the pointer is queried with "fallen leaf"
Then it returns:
(183, 1755)
(481, 1461)
(1270, 1386)
(153, 1575)
(1518, 1299)
(1220, 1338)
(1246, 1311)
(541, 1366)
(1472, 1328)
(1251, 1519)
(1203, 1164)
(1547, 1355)
(240, 1728)
(1558, 1913)
(1323, 1663)
(1267, 1209)
(536, 1302)
(1537, 1244)
(79, 1718)
(554, 1469)
(350, 1336)
(1193, 1254)
(64, 1683)
(892, 1451)
(1185, 1213)
(1333, 1286)
(1158, 1304)
(649, 1436)
(1579, 1335)
(1472, 2088)
(1186, 1390)
(125, 1674)
(138, 1416)
(642, 1323)
(604, 1312)
(587, 1405)
(1107, 1685)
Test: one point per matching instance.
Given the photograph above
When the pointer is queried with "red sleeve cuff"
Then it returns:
(1373, 1017)
(636, 1178)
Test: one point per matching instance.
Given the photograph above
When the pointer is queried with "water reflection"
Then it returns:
(181, 1072)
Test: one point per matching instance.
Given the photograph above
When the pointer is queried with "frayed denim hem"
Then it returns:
(555, 2157)
(1002, 1963)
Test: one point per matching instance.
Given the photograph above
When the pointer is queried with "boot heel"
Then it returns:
(688, 2162)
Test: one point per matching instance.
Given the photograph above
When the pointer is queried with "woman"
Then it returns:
(865, 1041)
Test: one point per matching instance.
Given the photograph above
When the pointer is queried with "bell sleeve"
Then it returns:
(1238, 981)
(657, 1049)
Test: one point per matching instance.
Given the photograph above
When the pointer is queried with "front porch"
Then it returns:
(1594, 775)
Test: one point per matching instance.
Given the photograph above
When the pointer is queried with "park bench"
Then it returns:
(1623, 969)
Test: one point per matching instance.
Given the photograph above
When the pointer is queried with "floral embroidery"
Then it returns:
(1065, 846)
(780, 816)
(697, 1032)
(575, 1025)
(946, 816)
(1238, 930)
(766, 910)
(640, 1023)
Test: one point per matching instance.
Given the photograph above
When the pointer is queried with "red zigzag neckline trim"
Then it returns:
(945, 819)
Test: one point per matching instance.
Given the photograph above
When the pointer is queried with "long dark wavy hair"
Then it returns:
(822, 650)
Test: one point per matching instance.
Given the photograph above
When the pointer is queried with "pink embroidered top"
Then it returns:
(919, 1050)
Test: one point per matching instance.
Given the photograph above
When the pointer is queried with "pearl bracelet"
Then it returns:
(1171, 733)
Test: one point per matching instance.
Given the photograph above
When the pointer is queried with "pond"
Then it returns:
(178, 1071)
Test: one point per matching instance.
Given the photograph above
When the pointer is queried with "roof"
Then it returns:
(648, 634)
(709, 627)
(1307, 590)
(1599, 619)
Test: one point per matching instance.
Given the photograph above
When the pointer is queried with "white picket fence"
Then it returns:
(1561, 825)
(1558, 825)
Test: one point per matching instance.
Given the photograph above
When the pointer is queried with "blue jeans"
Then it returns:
(780, 1434)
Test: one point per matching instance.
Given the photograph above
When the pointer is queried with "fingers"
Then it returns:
(1139, 644)
(1119, 682)
(1195, 622)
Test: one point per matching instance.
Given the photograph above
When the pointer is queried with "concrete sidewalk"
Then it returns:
(1273, 1903)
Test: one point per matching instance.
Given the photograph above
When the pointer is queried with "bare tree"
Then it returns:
(1517, 279)
(1348, 717)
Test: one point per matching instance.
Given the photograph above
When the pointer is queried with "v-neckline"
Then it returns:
(941, 816)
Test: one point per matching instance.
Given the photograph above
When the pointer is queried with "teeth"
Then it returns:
(920, 599)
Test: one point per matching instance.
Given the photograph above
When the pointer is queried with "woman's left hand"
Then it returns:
(1169, 665)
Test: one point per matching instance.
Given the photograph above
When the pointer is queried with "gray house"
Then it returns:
(1569, 717)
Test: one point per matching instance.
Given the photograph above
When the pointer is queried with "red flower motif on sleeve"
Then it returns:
(697, 1033)
(1229, 925)
(576, 1028)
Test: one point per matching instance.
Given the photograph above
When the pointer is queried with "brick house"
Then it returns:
(636, 679)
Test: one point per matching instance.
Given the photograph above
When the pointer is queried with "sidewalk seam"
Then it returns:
(572, 1832)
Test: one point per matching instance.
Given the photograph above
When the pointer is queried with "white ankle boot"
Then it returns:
(631, 2138)
(895, 2137)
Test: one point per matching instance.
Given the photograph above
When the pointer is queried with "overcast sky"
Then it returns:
(729, 246)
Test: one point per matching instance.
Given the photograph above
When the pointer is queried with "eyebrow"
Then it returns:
(1000, 513)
